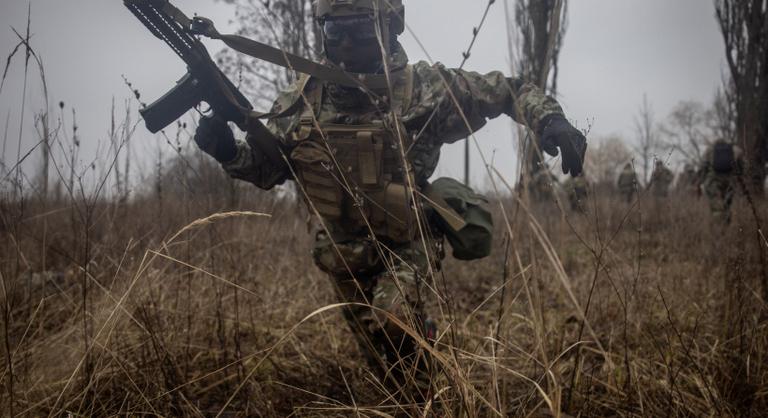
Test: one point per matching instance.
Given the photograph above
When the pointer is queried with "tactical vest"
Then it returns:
(353, 175)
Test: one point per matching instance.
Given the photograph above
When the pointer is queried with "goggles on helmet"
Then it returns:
(361, 28)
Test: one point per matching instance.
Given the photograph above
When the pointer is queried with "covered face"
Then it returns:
(356, 31)
(352, 43)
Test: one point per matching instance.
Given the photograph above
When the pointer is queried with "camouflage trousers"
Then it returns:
(719, 191)
(380, 283)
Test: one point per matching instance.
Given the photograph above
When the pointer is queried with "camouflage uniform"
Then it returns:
(661, 179)
(627, 183)
(719, 187)
(388, 272)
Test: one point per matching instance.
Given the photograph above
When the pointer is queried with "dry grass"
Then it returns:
(186, 301)
(172, 323)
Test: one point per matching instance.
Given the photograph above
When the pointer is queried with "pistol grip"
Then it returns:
(185, 95)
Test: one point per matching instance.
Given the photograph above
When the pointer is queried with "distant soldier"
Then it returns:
(661, 179)
(543, 185)
(688, 183)
(577, 189)
(627, 183)
(721, 165)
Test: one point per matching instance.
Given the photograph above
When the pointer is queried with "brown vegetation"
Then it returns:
(148, 312)
(185, 299)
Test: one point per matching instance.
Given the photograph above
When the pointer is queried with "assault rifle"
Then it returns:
(204, 81)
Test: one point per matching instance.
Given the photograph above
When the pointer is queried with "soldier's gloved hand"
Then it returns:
(557, 132)
(215, 138)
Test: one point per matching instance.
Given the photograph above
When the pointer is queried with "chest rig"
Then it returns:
(353, 174)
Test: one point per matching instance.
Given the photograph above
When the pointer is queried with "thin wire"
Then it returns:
(465, 56)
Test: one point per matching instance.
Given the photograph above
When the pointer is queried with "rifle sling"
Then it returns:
(277, 56)
(294, 62)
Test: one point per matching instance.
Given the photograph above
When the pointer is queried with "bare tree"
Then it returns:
(128, 128)
(647, 137)
(686, 131)
(114, 142)
(286, 24)
(605, 159)
(541, 25)
(744, 27)
(74, 151)
(721, 117)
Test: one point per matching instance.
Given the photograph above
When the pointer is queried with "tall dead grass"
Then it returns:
(633, 311)
(181, 299)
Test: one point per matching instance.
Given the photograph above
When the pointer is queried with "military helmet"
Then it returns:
(340, 8)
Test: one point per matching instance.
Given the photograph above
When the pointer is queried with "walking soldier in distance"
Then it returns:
(627, 183)
(661, 179)
(362, 158)
(720, 167)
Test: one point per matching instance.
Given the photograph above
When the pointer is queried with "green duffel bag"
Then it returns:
(463, 218)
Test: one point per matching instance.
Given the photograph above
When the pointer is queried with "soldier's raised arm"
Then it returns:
(474, 98)
(238, 158)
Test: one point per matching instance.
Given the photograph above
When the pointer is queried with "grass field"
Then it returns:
(140, 308)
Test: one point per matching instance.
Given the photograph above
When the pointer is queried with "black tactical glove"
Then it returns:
(557, 132)
(215, 138)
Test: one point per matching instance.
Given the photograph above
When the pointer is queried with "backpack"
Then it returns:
(462, 217)
(723, 158)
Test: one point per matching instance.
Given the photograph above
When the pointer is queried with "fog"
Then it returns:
(615, 51)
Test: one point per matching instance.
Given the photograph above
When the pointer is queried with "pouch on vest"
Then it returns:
(313, 167)
(723, 158)
(350, 174)
(389, 212)
(470, 237)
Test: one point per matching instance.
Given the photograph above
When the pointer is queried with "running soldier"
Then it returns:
(362, 159)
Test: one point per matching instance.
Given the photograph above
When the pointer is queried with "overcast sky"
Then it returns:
(615, 51)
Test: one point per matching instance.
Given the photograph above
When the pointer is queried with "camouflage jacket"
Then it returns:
(627, 181)
(479, 97)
